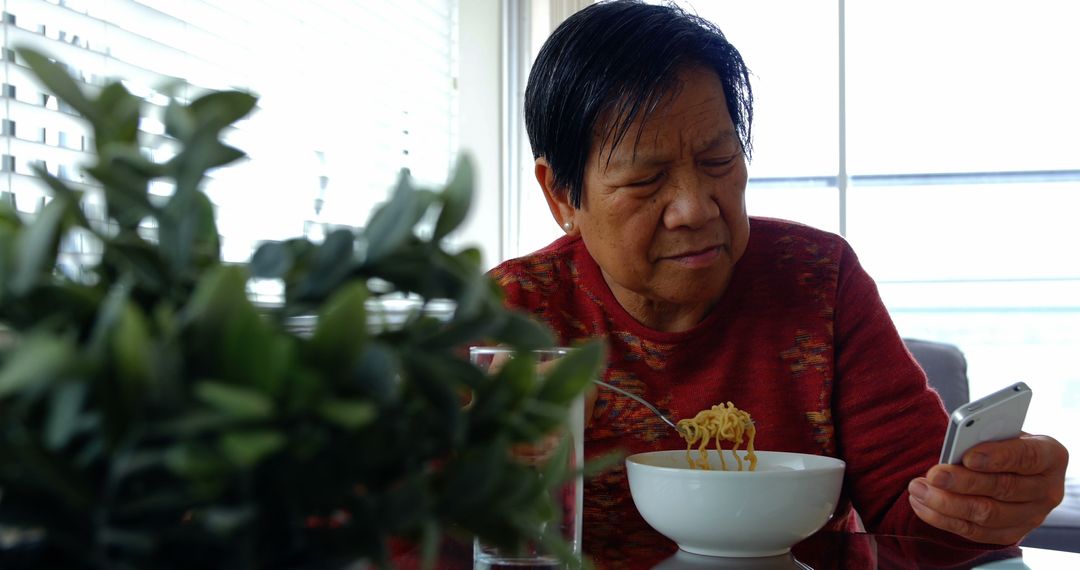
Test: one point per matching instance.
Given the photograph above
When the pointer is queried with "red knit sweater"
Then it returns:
(800, 339)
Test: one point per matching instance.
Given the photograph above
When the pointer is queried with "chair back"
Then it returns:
(945, 367)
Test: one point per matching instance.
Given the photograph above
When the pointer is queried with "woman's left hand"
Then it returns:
(1003, 490)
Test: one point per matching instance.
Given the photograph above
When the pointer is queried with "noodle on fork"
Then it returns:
(717, 424)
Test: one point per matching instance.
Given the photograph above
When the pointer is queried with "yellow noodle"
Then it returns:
(717, 424)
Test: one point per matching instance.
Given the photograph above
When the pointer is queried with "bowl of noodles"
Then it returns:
(732, 502)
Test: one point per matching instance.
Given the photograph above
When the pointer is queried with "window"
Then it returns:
(350, 93)
(940, 139)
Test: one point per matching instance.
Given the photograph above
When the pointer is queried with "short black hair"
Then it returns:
(615, 61)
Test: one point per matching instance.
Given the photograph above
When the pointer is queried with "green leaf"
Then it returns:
(9, 218)
(188, 233)
(117, 115)
(206, 242)
(142, 261)
(377, 373)
(523, 430)
(456, 198)
(470, 258)
(519, 373)
(489, 403)
(521, 331)
(57, 80)
(228, 339)
(39, 358)
(131, 157)
(602, 463)
(348, 414)
(37, 248)
(404, 504)
(430, 536)
(194, 424)
(188, 459)
(64, 414)
(218, 109)
(555, 470)
(572, 373)
(51, 473)
(217, 294)
(272, 260)
(204, 468)
(210, 153)
(109, 312)
(521, 488)
(248, 448)
(252, 353)
(132, 541)
(202, 152)
(133, 350)
(330, 265)
(163, 503)
(223, 521)
(125, 175)
(179, 121)
(341, 330)
(543, 417)
(441, 392)
(556, 545)
(392, 223)
(474, 296)
(235, 400)
(8, 237)
(474, 477)
(303, 390)
(463, 331)
(132, 460)
(60, 189)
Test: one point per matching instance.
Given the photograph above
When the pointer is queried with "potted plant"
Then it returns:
(152, 416)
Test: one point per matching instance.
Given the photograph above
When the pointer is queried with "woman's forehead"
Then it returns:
(646, 152)
(691, 115)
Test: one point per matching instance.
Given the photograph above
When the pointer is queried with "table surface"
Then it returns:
(827, 551)
(836, 551)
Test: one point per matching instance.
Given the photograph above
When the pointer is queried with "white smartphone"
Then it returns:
(995, 417)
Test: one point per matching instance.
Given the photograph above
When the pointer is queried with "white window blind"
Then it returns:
(350, 93)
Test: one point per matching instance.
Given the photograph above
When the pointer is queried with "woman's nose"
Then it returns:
(691, 204)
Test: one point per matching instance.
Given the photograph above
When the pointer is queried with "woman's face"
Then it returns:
(666, 219)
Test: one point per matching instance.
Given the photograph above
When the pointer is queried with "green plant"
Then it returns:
(151, 416)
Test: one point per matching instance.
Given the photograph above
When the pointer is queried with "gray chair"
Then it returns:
(946, 370)
(945, 367)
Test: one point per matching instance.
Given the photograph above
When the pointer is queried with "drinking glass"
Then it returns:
(534, 555)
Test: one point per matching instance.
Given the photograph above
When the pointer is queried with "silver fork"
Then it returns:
(643, 402)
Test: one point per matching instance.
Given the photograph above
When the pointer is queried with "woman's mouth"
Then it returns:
(698, 258)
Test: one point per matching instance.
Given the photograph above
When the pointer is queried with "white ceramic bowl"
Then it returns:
(735, 513)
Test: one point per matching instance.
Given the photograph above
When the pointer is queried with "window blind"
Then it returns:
(350, 93)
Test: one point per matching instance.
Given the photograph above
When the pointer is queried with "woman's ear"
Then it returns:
(558, 202)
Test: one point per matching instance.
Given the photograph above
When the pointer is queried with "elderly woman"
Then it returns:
(639, 118)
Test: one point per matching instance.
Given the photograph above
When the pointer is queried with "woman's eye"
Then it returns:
(719, 162)
(645, 182)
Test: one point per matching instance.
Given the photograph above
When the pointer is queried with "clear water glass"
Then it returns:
(533, 555)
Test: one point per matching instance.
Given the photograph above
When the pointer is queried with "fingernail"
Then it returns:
(918, 489)
(977, 460)
(941, 480)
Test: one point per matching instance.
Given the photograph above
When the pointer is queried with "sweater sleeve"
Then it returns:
(890, 423)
